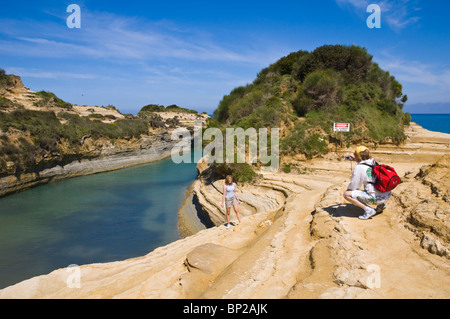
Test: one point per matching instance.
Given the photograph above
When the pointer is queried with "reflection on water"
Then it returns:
(98, 218)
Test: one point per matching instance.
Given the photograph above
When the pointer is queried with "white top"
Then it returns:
(362, 175)
(230, 190)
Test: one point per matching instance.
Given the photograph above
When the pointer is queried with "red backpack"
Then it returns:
(386, 177)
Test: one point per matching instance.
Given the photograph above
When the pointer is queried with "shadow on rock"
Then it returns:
(343, 210)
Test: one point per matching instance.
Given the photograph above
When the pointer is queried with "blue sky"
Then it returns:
(192, 53)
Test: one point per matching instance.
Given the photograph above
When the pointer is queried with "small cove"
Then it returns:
(97, 218)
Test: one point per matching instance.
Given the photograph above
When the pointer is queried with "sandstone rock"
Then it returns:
(210, 258)
(434, 246)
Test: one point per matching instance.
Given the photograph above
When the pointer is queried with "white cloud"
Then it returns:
(416, 72)
(422, 82)
(45, 74)
(110, 36)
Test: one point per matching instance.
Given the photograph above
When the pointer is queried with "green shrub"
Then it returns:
(5, 80)
(6, 103)
(241, 172)
(287, 168)
(222, 112)
(407, 119)
(352, 61)
(148, 110)
(50, 98)
(47, 133)
(300, 140)
(286, 64)
(176, 108)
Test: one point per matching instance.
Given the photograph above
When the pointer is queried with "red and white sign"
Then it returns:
(341, 127)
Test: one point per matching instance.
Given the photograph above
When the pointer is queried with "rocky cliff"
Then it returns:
(298, 239)
(44, 139)
(105, 158)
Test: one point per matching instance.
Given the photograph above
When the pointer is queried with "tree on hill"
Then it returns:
(305, 92)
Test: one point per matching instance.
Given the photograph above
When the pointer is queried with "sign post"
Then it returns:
(341, 127)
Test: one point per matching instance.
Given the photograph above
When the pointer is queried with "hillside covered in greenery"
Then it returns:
(304, 92)
(52, 133)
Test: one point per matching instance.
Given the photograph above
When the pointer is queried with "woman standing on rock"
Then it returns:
(230, 199)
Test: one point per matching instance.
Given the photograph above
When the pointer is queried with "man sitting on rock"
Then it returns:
(362, 175)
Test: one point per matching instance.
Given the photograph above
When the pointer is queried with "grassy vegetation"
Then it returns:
(49, 98)
(47, 134)
(8, 104)
(241, 172)
(5, 80)
(305, 92)
(28, 138)
(148, 110)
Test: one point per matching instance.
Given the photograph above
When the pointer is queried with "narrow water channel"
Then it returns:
(91, 219)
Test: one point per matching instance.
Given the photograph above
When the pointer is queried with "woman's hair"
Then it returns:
(362, 156)
(230, 178)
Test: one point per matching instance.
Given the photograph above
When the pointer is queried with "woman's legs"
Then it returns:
(228, 215)
(237, 213)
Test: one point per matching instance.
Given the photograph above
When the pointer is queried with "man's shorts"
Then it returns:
(367, 199)
(231, 201)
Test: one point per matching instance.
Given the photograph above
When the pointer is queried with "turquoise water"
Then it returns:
(91, 219)
(433, 122)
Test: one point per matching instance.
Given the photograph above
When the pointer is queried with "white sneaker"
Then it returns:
(228, 226)
(368, 212)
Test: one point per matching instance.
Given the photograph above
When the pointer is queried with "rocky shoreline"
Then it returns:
(150, 149)
(60, 158)
(298, 239)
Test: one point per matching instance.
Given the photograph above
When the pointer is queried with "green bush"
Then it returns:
(319, 91)
(5, 80)
(6, 103)
(300, 140)
(287, 168)
(47, 133)
(148, 110)
(176, 108)
(49, 98)
(407, 119)
(241, 172)
(286, 64)
(353, 62)
(222, 112)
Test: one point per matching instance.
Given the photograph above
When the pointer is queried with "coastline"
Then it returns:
(313, 250)
(188, 222)
(154, 151)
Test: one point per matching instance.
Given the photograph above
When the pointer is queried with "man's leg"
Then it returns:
(362, 200)
(348, 196)
(381, 199)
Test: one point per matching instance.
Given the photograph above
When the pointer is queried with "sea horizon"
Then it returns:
(437, 122)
